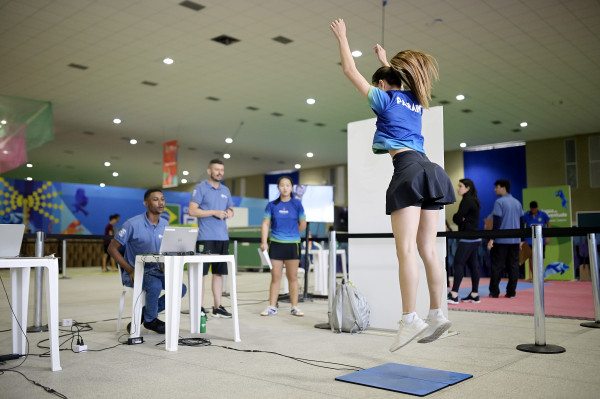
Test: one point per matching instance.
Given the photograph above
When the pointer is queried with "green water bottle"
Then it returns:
(203, 323)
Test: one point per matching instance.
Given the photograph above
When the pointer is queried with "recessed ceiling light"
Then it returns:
(5, 152)
(29, 179)
(106, 163)
(226, 156)
(297, 166)
(309, 154)
(168, 61)
(29, 165)
(523, 124)
(133, 141)
(115, 174)
(356, 53)
(185, 173)
(463, 145)
(229, 140)
(3, 122)
(460, 97)
(102, 185)
(116, 121)
(183, 181)
(310, 101)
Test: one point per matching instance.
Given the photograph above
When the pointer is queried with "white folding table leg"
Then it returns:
(195, 293)
(20, 300)
(236, 322)
(173, 281)
(52, 300)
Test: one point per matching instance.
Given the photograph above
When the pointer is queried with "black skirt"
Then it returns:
(418, 182)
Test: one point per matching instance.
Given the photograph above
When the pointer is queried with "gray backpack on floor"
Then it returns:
(350, 312)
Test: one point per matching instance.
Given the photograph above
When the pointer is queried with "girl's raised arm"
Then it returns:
(349, 67)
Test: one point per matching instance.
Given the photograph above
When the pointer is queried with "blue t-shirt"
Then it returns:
(284, 220)
(140, 236)
(541, 218)
(398, 123)
(209, 198)
(509, 210)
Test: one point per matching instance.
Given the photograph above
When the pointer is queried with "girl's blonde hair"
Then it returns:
(417, 70)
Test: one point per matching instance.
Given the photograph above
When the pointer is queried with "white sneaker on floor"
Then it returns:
(437, 326)
(407, 332)
(296, 311)
(269, 311)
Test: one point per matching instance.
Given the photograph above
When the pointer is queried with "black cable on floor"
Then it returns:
(45, 388)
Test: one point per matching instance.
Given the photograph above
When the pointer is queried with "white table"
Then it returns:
(20, 272)
(173, 282)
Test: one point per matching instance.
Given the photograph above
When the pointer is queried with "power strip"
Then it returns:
(67, 322)
(80, 348)
(135, 341)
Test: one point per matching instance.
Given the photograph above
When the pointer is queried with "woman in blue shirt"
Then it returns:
(285, 216)
(419, 188)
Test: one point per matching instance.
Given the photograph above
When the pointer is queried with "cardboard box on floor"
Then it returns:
(585, 273)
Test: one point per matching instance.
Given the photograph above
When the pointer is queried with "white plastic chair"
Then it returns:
(122, 302)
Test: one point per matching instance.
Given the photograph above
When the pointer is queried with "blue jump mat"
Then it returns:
(412, 380)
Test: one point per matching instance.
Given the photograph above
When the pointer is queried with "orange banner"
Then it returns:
(170, 164)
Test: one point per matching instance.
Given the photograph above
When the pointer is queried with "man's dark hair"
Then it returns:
(215, 161)
(503, 183)
(533, 204)
(150, 191)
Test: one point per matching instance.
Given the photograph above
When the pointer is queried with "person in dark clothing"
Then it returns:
(467, 219)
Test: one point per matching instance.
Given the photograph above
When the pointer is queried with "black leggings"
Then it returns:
(466, 254)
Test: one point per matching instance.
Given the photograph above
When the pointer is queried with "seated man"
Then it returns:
(142, 234)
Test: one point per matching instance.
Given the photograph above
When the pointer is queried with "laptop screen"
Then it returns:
(179, 240)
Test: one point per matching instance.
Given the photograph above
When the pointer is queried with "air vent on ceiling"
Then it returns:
(252, 108)
(496, 122)
(224, 39)
(148, 83)
(276, 114)
(78, 66)
(433, 97)
(516, 130)
(115, 157)
(89, 133)
(126, 138)
(212, 98)
(444, 102)
(281, 162)
(69, 152)
(255, 158)
(192, 148)
(344, 130)
(282, 40)
(466, 110)
(302, 120)
(157, 163)
(150, 142)
(319, 124)
(69, 166)
(191, 5)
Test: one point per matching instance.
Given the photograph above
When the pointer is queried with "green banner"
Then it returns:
(556, 202)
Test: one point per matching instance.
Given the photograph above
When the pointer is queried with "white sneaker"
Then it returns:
(407, 332)
(437, 326)
(296, 311)
(269, 311)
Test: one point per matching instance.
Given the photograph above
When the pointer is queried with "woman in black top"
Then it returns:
(467, 219)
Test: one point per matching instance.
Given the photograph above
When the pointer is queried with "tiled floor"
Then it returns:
(484, 346)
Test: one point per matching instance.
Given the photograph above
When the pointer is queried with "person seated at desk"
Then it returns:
(142, 234)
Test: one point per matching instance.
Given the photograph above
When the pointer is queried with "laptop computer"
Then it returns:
(11, 237)
(179, 241)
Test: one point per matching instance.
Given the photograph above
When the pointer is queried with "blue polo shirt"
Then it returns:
(209, 198)
(541, 218)
(284, 220)
(140, 236)
(509, 210)
(398, 123)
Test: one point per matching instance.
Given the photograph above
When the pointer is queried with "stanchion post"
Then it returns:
(39, 285)
(331, 280)
(64, 259)
(540, 345)
(593, 251)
